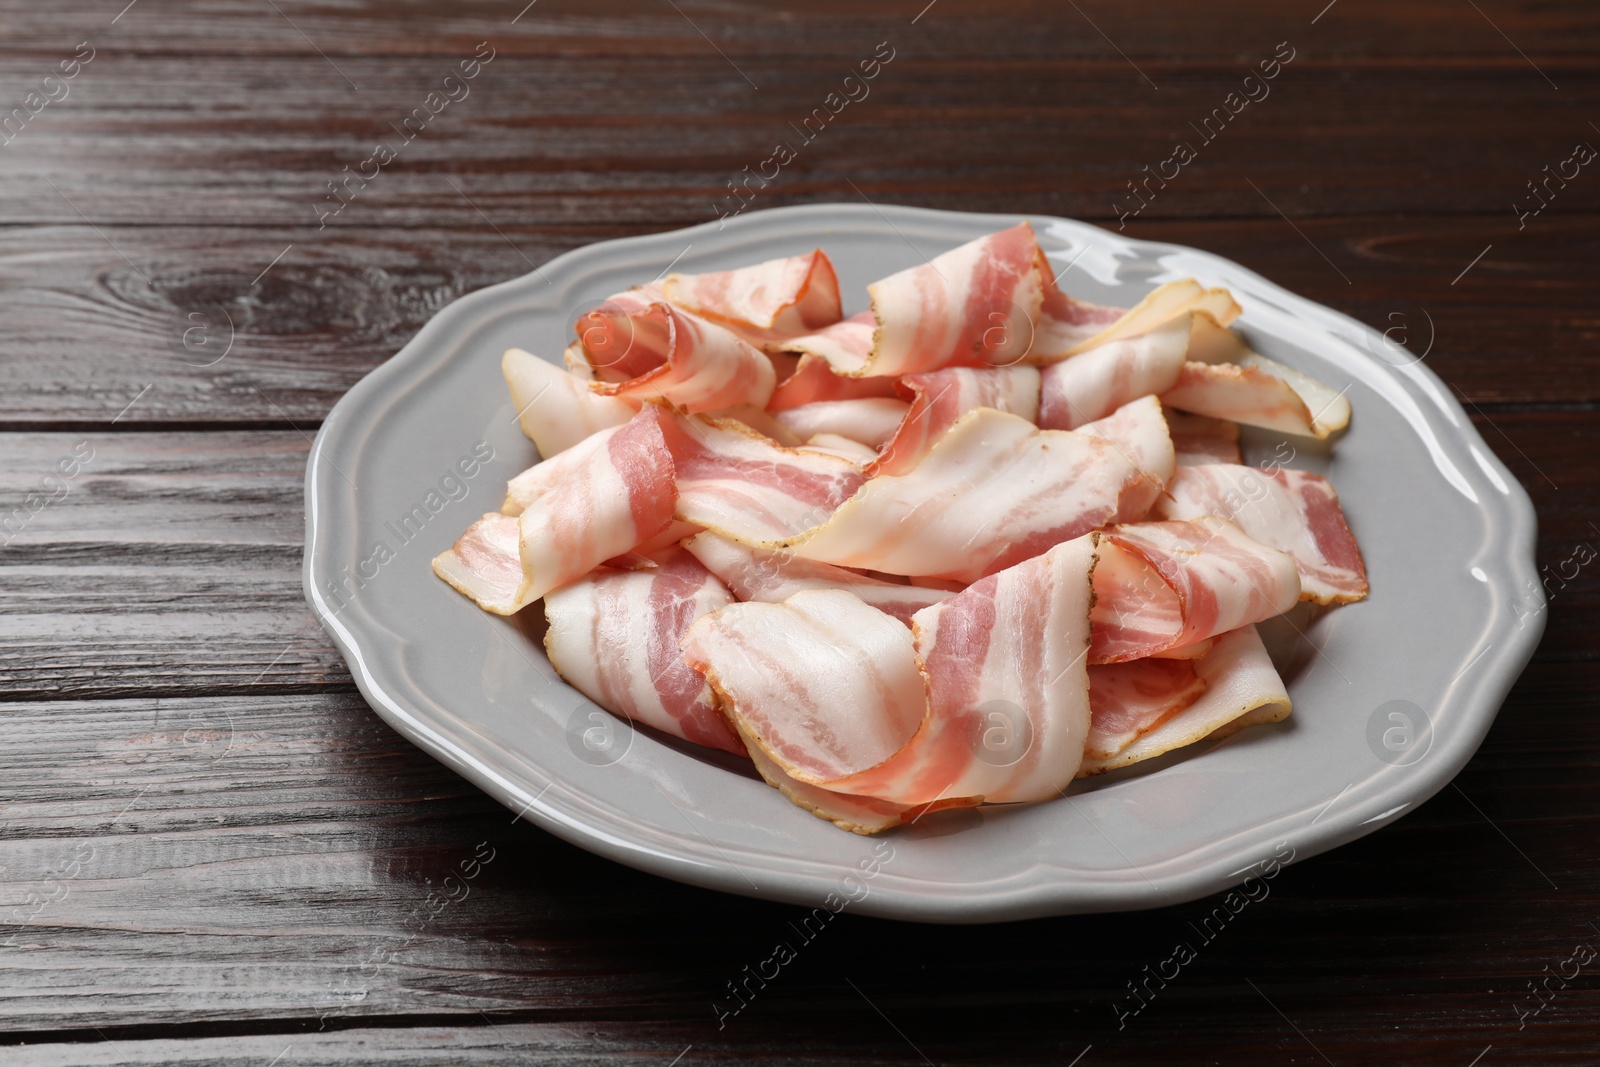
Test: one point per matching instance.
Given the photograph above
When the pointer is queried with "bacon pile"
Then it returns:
(964, 547)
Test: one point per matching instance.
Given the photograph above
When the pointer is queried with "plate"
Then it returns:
(1391, 695)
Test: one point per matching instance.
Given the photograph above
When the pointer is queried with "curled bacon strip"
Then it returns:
(1068, 327)
(643, 349)
(993, 491)
(1295, 511)
(765, 304)
(824, 684)
(1226, 380)
(1163, 585)
(1097, 382)
(1238, 686)
(861, 815)
(1008, 700)
(971, 306)
(990, 700)
(731, 479)
(602, 502)
(940, 398)
(614, 635)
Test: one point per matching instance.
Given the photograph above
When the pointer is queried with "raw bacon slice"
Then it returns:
(940, 398)
(773, 577)
(1067, 327)
(845, 448)
(1162, 585)
(1095, 383)
(545, 475)
(485, 564)
(971, 306)
(605, 503)
(557, 409)
(765, 304)
(1240, 684)
(648, 552)
(1202, 439)
(861, 815)
(657, 350)
(1129, 699)
(1139, 432)
(1295, 511)
(614, 635)
(813, 379)
(1226, 380)
(824, 684)
(741, 483)
(1008, 688)
(993, 491)
(870, 420)
(845, 349)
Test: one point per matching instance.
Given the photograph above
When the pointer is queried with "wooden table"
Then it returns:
(212, 851)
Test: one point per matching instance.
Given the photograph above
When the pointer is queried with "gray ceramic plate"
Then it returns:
(1391, 696)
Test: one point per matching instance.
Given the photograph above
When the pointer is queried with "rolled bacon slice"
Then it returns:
(1095, 383)
(766, 304)
(641, 350)
(1295, 511)
(773, 577)
(939, 399)
(557, 409)
(613, 635)
(1238, 686)
(1163, 585)
(993, 491)
(1224, 379)
(603, 501)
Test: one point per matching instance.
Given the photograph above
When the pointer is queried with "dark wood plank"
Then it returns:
(338, 304)
(244, 860)
(581, 139)
(1005, 29)
(166, 562)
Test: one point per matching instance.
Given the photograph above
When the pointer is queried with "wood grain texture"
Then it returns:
(212, 851)
(273, 859)
(628, 140)
(87, 331)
